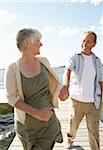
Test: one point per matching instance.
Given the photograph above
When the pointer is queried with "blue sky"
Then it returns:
(61, 23)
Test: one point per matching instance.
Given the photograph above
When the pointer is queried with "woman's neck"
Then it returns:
(28, 59)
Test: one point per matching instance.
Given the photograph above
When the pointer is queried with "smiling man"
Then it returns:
(84, 89)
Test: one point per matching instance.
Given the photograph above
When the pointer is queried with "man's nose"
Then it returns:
(85, 43)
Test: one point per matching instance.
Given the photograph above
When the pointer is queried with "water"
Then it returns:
(7, 132)
(59, 72)
(2, 78)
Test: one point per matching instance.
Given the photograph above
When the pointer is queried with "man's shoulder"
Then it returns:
(76, 55)
(96, 57)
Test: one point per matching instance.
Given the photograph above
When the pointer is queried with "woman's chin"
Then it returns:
(37, 53)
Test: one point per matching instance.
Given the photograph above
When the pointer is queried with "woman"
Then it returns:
(32, 89)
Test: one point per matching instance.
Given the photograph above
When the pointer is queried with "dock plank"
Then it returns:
(81, 141)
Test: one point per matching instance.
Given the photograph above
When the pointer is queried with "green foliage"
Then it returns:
(5, 108)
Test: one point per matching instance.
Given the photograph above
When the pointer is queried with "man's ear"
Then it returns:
(94, 44)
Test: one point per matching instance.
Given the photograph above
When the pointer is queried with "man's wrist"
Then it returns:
(66, 86)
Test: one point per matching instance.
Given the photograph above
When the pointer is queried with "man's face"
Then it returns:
(88, 42)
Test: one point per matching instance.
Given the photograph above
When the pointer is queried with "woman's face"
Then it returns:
(35, 46)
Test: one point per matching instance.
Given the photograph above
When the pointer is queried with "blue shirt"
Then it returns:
(76, 64)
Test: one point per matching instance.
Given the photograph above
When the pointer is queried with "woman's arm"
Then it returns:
(40, 114)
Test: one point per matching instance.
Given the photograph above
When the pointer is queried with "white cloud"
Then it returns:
(73, 1)
(93, 27)
(67, 31)
(47, 29)
(93, 2)
(66, 2)
(96, 2)
(59, 31)
(6, 17)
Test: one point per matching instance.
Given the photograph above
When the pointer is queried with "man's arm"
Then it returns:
(101, 85)
(66, 78)
(64, 93)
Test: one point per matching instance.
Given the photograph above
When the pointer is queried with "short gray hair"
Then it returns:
(25, 33)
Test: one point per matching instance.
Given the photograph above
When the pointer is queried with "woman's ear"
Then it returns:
(27, 42)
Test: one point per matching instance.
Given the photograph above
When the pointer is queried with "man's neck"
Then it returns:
(86, 53)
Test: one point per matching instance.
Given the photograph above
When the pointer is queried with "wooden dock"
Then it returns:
(81, 140)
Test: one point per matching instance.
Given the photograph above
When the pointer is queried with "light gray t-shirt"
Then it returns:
(84, 90)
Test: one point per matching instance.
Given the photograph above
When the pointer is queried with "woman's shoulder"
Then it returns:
(11, 66)
(43, 60)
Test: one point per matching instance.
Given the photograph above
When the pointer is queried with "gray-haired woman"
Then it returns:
(32, 89)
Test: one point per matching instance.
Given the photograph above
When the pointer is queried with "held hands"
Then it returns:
(45, 114)
(64, 93)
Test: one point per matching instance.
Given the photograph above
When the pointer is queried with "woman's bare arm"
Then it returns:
(40, 114)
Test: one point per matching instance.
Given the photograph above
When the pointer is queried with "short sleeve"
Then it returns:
(70, 63)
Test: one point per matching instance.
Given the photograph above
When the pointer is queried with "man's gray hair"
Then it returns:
(26, 33)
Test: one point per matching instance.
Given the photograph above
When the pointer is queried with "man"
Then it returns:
(85, 86)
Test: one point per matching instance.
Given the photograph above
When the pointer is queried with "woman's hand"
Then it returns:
(45, 114)
(64, 93)
(41, 114)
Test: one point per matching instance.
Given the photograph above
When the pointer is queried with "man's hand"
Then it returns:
(64, 93)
